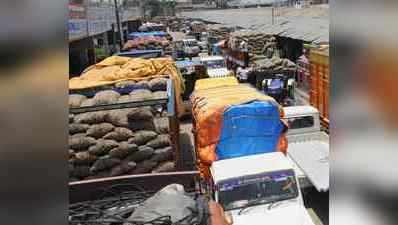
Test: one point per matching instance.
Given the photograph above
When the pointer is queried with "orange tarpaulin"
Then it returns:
(208, 109)
(215, 82)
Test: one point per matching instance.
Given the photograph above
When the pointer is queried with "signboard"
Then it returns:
(88, 20)
(77, 23)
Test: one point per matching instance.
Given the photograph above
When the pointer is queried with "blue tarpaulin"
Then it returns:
(145, 34)
(248, 129)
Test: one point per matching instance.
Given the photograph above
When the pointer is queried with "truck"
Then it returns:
(191, 47)
(319, 81)
(280, 87)
(250, 174)
(215, 66)
(263, 189)
(308, 146)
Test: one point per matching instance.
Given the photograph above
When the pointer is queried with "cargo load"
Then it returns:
(115, 69)
(257, 43)
(215, 82)
(148, 43)
(228, 125)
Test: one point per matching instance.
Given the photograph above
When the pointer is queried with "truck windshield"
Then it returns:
(215, 64)
(300, 122)
(191, 43)
(261, 189)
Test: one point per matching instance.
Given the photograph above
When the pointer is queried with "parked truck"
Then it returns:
(259, 189)
(215, 66)
(251, 173)
(319, 81)
(191, 47)
(308, 146)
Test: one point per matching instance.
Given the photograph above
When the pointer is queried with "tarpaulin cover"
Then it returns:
(249, 129)
(209, 108)
(144, 34)
(116, 68)
(215, 82)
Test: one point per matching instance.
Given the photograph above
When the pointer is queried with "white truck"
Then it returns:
(268, 187)
(308, 146)
(191, 47)
(215, 66)
(259, 189)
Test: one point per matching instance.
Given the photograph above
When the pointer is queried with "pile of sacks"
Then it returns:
(274, 64)
(116, 69)
(219, 32)
(148, 43)
(257, 43)
(123, 141)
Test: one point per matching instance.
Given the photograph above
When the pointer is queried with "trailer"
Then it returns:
(319, 82)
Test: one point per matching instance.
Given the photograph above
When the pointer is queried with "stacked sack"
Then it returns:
(258, 43)
(148, 43)
(274, 64)
(118, 142)
(219, 32)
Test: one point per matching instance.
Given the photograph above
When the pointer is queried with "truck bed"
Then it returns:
(310, 154)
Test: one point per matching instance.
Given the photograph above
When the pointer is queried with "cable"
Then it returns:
(119, 205)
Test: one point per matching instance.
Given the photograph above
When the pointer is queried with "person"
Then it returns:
(243, 46)
(242, 74)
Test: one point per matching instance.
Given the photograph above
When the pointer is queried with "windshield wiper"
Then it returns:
(250, 204)
(274, 203)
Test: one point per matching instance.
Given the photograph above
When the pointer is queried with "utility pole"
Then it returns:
(120, 32)
(273, 12)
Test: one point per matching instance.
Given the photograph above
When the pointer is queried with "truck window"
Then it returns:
(300, 122)
(276, 186)
(191, 43)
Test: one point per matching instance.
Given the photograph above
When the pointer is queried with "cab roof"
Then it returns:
(299, 110)
(249, 165)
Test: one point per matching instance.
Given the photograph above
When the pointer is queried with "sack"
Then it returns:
(99, 130)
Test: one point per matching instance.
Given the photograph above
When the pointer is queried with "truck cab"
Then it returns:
(215, 66)
(259, 189)
(191, 47)
(280, 87)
